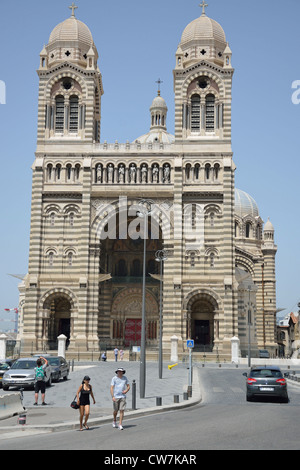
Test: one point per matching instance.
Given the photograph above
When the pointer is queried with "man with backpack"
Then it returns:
(40, 384)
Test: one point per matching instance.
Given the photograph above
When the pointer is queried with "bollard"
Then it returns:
(185, 396)
(133, 395)
(158, 401)
(189, 391)
(22, 419)
(72, 365)
(220, 365)
(176, 398)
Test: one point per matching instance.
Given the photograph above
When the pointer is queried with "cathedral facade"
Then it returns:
(94, 202)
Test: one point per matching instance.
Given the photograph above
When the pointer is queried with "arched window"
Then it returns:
(77, 171)
(58, 172)
(136, 268)
(51, 258)
(52, 219)
(74, 105)
(69, 172)
(49, 172)
(216, 171)
(212, 260)
(59, 113)
(70, 258)
(248, 227)
(207, 171)
(121, 269)
(71, 219)
(210, 112)
(195, 113)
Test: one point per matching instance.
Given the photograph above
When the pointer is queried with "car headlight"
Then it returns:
(6, 375)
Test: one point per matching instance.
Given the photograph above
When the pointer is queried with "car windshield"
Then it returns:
(53, 361)
(21, 364)
(266, 373)
(4, 366)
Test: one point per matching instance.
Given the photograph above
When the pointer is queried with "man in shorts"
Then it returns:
(118, 388)
(40, 382)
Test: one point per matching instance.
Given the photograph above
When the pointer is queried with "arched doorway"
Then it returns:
(58, 320)
(202, 325)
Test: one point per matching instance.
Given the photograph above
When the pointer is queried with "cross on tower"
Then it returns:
(203, 5)
(159, 81)
(73, 7)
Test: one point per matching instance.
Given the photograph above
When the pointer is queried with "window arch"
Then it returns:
(74, 107)
(210, 112)
(248, 228)
(195, 113)
(59, 113)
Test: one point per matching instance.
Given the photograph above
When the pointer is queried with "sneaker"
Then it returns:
(120, 427)
(44, 404)
(35, 404)
(114, 425)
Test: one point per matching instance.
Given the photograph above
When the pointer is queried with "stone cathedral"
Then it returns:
(86, 255)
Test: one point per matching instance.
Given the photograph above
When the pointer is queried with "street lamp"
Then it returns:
(144, 212)
(249, 330)
(160, 257)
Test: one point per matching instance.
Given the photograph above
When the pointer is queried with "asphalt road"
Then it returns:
(223, 421)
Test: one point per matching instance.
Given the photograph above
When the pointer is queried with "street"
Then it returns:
(224, 420)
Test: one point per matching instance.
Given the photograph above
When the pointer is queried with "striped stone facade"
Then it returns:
(85, 259)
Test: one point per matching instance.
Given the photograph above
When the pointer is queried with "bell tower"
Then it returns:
(202, 83)
(70, 87)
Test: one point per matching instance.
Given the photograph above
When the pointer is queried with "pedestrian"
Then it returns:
(83, 400)
(116, 352)
(40, 382)
(103, 356)
(121, 354)
(119, 387)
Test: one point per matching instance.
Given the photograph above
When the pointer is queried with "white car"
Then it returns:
(22, 374)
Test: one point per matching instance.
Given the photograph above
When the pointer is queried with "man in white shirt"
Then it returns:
(118, 388)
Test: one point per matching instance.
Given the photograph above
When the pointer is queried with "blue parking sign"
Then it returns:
(190, 343)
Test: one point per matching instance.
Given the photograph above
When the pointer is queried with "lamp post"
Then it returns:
(160, 257)
(249, 330)
(144, 212)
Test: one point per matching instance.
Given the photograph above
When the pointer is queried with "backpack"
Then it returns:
(39, 373)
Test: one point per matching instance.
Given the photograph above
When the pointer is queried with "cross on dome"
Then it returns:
(73, 7)
(203, 5)
(159, 81)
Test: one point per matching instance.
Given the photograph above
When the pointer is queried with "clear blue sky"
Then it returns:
(137, 41)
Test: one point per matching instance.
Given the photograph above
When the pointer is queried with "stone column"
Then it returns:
(3, 340)
(62, 345)
(235, 349)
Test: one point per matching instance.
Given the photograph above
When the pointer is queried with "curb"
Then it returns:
(73, 425)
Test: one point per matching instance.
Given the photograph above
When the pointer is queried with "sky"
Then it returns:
(137, 42)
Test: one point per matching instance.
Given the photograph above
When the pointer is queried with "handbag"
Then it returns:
(74, 403)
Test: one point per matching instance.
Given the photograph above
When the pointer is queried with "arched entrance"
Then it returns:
(202, 326)
(58, 307)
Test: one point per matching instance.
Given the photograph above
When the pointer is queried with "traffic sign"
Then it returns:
(190, 343)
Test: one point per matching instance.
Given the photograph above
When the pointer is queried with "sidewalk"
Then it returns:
(59, 416)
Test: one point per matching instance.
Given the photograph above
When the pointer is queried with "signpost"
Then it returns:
(190, 346)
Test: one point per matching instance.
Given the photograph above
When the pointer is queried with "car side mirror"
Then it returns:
(245, 374)
(286, 374)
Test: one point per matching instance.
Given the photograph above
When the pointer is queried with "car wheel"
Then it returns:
(65, 377)
(249, 398)
(49, 383)
(5, 387)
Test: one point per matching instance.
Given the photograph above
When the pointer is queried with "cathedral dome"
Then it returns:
(203, 28)
(245, 204)
(72, 30)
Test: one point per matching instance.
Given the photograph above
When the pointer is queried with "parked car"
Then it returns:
(4, 367)
(59, 367)
(264, 353)
(22, 374)
(266, 381)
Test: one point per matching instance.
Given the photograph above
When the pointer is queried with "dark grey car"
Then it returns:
(59, 367)
(266, 381)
